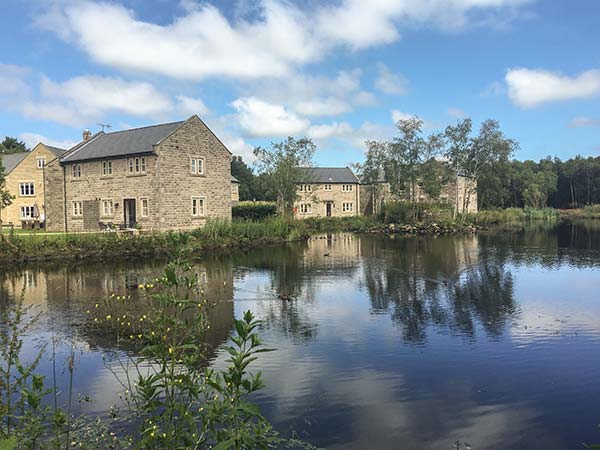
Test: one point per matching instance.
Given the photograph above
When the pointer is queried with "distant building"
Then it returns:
(235, 190)
(375, 195)
(327, 192)
(25, 181)
(171, 176)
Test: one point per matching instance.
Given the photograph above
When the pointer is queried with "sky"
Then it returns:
(340, 72)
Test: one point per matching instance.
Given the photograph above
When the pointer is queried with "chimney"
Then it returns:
(86, 135)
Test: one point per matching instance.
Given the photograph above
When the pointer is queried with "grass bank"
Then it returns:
(510, 218)
(591, 212)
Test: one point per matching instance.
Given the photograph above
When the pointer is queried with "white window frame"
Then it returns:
(327, 187)
(27, 189)
(197, 166)
(136, 165)
(107, 207)
(348, 207)
(346, 188)
(196, 206)
(106, 168)
(41, 163)
(305, 208)
(144, 209)
(77, 208)
(76, 170)
(26, 212)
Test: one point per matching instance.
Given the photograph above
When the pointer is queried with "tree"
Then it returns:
(5, 197)
(469, 156)
(247, 179)
(280, 165)
(12, 145)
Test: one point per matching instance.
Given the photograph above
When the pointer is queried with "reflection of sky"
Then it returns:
(347, 375)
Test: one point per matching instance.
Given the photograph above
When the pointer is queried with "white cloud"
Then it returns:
(92, 95)
(259, 118)
(12, 80)
(529, 88)
(329, 106)
(32, 139)
(582, 121)
(398, 115)
(389, 82)
(188, 106)
(326, 131)
(456, 113)
(280, 36)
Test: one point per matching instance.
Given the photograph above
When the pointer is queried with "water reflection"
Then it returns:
(384, 342)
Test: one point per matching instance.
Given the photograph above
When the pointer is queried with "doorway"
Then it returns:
(328, 209)
(129, 211)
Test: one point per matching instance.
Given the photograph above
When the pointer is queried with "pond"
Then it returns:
(388, 342)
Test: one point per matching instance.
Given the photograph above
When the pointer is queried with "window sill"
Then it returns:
(198, 175)
(199, 217)
(136, 174)
(77, 217)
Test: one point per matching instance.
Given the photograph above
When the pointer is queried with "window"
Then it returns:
(145, 206)
(305, 208)
(346, 187)
(26, 189)
(27, 212)
(305, 188)
(327, 187)
(41, 163)
(197, 166)
(106, 168)
(107, 207)
(77, 209)
(137, 165)
(198, 206)
(347, 207)
(76, 170)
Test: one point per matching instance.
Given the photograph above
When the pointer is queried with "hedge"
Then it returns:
(254, 210)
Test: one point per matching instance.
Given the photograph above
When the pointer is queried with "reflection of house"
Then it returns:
(327, 192)
(25, 181)
(171, 176)
(463, 198)
(235, 190)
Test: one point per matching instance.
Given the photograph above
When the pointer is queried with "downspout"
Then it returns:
(66, 228)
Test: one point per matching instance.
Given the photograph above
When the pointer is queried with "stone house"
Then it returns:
(24, 174)
(170, 176)
(327, 192)
(235, 190)
(375, 195)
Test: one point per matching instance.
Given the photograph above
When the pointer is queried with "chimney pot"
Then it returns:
(86, 135)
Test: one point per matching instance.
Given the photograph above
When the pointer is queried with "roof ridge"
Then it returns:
(146, 126)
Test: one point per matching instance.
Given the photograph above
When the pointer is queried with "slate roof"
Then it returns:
(57, 151)
(121, 143)
(12, 160)
(331, 175)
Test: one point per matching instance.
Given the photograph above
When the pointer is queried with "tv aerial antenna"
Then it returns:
(104, 125)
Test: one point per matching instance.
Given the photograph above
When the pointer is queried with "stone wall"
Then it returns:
(26, 172)
(235, 193)
(318, 198)
(178, 185)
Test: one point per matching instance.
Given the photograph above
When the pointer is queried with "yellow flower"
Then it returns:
(108, 317)
(171, 350)
(141, 286)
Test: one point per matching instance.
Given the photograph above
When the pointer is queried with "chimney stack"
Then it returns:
(87, 134)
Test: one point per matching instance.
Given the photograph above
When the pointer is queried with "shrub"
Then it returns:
(254, 210)
(401, 212)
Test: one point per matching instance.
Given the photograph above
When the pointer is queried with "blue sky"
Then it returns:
(339, 72)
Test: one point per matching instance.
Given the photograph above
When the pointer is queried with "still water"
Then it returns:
(388, 343)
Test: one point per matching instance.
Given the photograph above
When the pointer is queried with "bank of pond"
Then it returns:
(216, 236)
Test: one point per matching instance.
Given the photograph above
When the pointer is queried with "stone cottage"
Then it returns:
(327, 192)
(24, 174)
(374, 195)
(171, 176)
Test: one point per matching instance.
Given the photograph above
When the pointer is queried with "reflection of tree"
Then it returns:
(416, 282)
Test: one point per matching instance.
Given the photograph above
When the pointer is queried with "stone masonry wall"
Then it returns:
(178, 185)
(318, 198)
(53, 186)
(26, 172)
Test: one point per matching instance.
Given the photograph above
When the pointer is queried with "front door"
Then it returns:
(328, 209)
(129, 211)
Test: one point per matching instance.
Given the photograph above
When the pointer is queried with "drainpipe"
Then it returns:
(65, 196)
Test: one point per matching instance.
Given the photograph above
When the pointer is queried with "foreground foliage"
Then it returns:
(174, 401)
